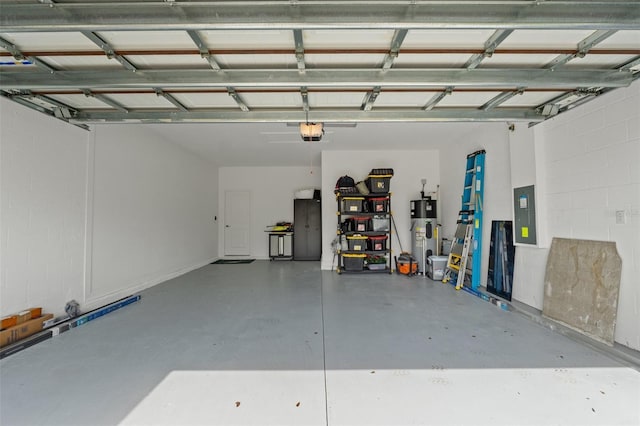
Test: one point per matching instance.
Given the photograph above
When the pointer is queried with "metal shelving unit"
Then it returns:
(344, 214)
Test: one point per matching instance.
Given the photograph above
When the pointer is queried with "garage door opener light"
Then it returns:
(311, 132)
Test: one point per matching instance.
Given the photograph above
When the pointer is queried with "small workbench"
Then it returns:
(280, 245)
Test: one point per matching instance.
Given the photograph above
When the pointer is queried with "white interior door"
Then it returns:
(237, 220)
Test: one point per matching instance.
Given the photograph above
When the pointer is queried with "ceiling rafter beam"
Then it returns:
(489, 48)
(576, 93)
(236, 97)
(204, 50)
(58, 109)
(12, 49)
(582, 49)
(54, 102)
(297, 37)
(18, 55)
(387, 63)
(631, 64)
(429, 51)
(108, 50)
(27, 103)
(287, 14)
(435, 99)
(297, 116)
(596, 38)
(304, 93)
(288, 90)
(558, 104)
(319, 78)
(396, 42)
(370, 98)
(105, 99)
(170, 98)
(501, 98)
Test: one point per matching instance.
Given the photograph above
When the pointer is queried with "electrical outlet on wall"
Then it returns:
(621, 217)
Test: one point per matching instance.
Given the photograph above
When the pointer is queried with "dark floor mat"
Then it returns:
(231, 261)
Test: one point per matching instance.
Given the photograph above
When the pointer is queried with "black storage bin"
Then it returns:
(378, 242)
(346, 225)
(352, 204)
(353, 262)
(378, 205)
(361, 224)
(381, 172)
(357, 242)
(379, 184)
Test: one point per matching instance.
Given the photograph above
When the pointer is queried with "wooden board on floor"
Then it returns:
(582, 282)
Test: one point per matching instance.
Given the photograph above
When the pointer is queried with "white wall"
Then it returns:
(154, 205)
(95, 216)
(591, 157)
(410, 166)
(43, 169)
(493, 138)
(272, 192)
(527, 168)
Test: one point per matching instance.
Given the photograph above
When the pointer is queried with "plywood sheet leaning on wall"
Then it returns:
(581, 286)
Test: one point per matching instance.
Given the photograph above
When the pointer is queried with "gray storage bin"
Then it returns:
(380, 223)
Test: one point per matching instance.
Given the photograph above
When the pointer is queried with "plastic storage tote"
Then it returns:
(378, 242)
(436, 266)
(353, 262)
(361, 224)
(379, 184)
(357, 242)
(352, 204)
(378, 204)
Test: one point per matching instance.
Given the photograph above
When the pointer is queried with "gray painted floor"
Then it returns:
(283, 343)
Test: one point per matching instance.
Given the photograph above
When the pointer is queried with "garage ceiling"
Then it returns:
(325, 61)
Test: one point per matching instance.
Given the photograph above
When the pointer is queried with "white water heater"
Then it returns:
(424, 231)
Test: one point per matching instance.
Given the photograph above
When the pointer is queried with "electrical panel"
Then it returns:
(524, 213)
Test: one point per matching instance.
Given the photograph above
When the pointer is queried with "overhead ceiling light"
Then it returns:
(311, 132)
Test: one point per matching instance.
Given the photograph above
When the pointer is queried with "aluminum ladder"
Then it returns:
(459, 254)
(470, 216)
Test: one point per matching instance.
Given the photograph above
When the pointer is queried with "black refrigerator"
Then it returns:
(307, 230)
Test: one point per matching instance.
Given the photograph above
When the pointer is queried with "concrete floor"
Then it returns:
(279, 343)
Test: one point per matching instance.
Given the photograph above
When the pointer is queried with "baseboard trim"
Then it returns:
(96, 302)
(623, 354)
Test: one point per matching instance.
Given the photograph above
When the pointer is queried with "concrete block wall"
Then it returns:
(43, 188)
(590, 163)
(593, 171)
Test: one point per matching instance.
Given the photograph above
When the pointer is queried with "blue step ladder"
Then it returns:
(473, 199)
(468, 239)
